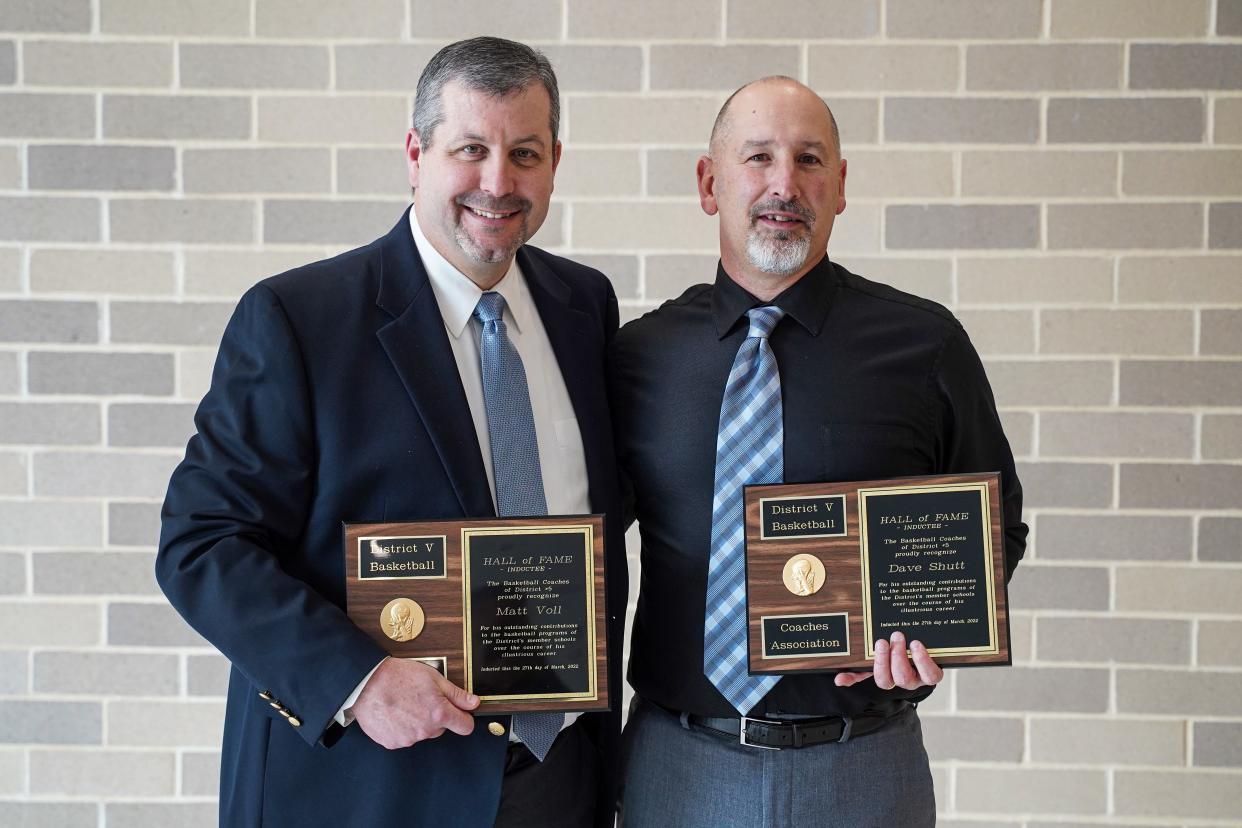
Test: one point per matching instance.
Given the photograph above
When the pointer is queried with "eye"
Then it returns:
(471, 150)
(525, 155)
(759, 156)
(808, 159)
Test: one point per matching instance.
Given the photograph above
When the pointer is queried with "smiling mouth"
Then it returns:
(781, 219)
(488, 214)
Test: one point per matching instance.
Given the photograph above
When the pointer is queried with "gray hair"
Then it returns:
(492, 65)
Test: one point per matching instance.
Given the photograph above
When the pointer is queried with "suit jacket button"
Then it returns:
(276, 705)
(496, 729)
(295, 721)
(266, 696)
(285, 712)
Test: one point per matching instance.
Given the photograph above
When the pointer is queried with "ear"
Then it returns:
(841, 190)
(556, 156)
(707, 185)
(413, 153)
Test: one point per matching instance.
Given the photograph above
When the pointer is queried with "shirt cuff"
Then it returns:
(345, 716)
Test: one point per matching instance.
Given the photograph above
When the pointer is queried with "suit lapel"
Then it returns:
(581, 368)
(418, 347)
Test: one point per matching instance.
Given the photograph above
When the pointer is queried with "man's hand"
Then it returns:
(406, 702)
(893, 668)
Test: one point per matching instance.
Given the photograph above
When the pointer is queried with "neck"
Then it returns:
(760, 284)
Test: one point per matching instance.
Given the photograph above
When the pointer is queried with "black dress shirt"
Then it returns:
(876, 383)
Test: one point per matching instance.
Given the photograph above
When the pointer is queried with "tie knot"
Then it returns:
(763, 320)
(490, 308)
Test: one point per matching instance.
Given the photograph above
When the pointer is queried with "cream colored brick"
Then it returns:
(1083, 741)
(815, 18)
(1116, 434)
(672, 172)
(1044, 67)
(1190, 279)
(644, 18)
(102, 773)
(1044, 173)
(972, 738)
(1199, 795)
(1228, 121)
(898, 174)
(1000, 332)
(1051, 382)
(218, 18)
(48, 624)
(346, 120)
(1034, 280)
(668, 275)
(599, 172)
(194, 366)
(725, 68)
(10, 168)
(286, 170)
(1127, 332)
(1180, 486)
(165, 723)
(1222, 437)
(1124, 226)
(1031, 791)
(534, 20)
(1113, 640)
(1208, 590)
(858, 120)
(101, 270)
(856, 231)
(71, 63)
(223, 272)
(1129, 18)
(928, 278)
(325, 18)
(1220, 644)
(988, 19)
(12, 772)
(631, 225)
(1182, 172)
(632, 119)
(889, 68)
(1034, 689)
(1019, 429)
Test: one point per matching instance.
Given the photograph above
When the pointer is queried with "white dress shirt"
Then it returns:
(561, 457)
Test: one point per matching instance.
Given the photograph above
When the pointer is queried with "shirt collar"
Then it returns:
(457, 295)
(806, 300)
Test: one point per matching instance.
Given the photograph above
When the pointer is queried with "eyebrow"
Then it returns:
(528, 139)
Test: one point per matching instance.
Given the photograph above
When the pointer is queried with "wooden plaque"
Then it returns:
(512, 609)
(832, 567)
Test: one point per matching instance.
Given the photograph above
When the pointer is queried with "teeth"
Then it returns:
(486, 214)
(779, 218)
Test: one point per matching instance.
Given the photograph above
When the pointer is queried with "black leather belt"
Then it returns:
(777, 735)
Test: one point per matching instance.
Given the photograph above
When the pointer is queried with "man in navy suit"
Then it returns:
(351, 390)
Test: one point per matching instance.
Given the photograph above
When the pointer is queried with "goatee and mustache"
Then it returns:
(782, 252)
(486, 251)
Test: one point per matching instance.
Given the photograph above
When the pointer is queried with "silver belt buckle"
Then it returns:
(742, 733)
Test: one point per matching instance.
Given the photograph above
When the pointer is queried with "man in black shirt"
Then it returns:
(872, 383)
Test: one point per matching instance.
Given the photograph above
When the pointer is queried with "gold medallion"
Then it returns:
(402, 619)
(803, 574)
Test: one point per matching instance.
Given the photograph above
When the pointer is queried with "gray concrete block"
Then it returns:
(49, 814)
(1179, 692)
(1044, 67)
(194, 221)
(49, 423)
(1116, 434)
(86, 167)
(817, 19)
(106, 674)
(50, 722)
(972, 226)
(133, 524)
(1186, 66)
(640, 19)
(1218, 744)
(1125, 226)
(49, 218)
(1125, 120)
(12, 573)
(253, 66)
(1225, 225)
(973, 738)
(8, 62)
(1113, 640)
(1034, 689)
(324, 18)
(388, 66)
(1220, 539)
(169, 323)
(65, 372)
(1057, 587)
(149, 625)
(1221, 437)
(961, 120)
(13, 678)
(161, 814)
(150, 424)
(46, 115)
(102, 773)
(1181, 383)
(1180, 486)
(1118, 19)
(175, 117)
(200, 773)
(327, 222)
(964, 19)
(225, 272)
(207, 675)
(1113, 538)
(166, 724)
(94, 64)
(35, 321)
(725, 68)
(596, 68)
(198, 18)
(1096, 741)
(14, 473)
(1220, 332)
(95, 573)
(1020, 383)
(45, 15)
(380, 120)
(102, 474)
(291, 170)
(1072, 485)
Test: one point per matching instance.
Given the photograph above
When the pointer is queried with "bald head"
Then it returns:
(771, 85)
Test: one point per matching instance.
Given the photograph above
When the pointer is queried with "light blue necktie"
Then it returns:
(749, 449)
(515, 464)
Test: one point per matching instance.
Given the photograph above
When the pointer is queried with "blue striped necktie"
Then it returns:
(515, 463)
(749, 449)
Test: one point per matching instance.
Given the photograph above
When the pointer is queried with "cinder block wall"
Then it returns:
(1066, 175)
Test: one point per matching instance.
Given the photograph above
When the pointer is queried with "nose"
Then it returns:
(783, 180)
(495, 177)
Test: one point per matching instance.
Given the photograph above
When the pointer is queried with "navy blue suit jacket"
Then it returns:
(336, 397)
